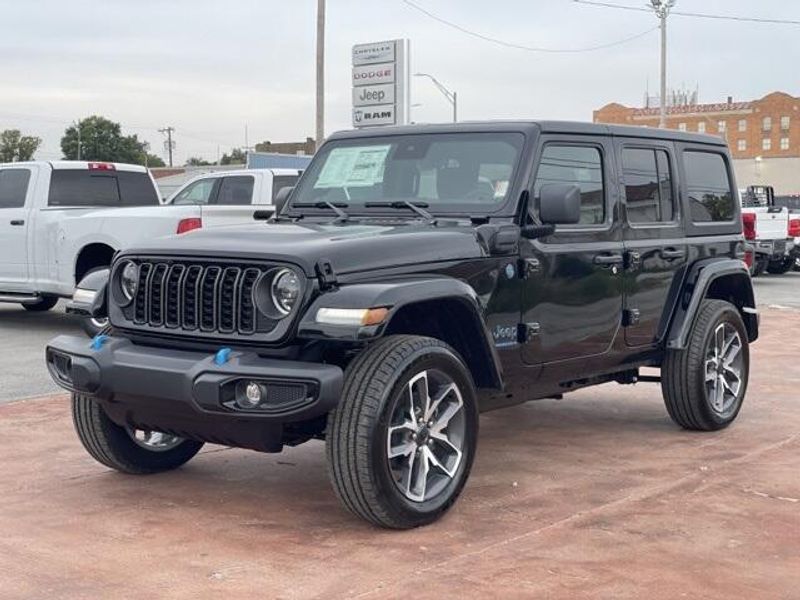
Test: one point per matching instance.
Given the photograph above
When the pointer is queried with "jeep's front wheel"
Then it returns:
(401, 442)
(704, 384)
(125, 449)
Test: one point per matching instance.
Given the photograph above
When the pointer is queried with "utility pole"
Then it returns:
(77, 126)
(169, 143)
(662, 8)
(320, 119)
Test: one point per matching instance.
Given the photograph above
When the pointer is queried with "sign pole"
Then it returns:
(320, 116)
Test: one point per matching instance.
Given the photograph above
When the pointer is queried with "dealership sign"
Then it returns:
(380, 83)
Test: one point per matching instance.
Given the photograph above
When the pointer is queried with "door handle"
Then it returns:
(672, 253)
(18, 222)
(608, 259)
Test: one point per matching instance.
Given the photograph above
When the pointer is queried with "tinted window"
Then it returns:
(236, 191)
(136, 189)
(13, 187)
(648, 185)
(198, 192)
(83, 188)
(282, 181)
(709, 188)
(576, 165)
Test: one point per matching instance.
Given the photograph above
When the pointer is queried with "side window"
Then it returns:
(13, 187)
(198, 192)
(709, 187)
(577, 165)
(648, 185)
(236, 191)
(281, 181)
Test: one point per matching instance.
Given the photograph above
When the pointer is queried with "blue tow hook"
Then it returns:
(98, 341)
(222, 356)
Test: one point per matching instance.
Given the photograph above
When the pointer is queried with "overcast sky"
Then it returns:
(209, 67)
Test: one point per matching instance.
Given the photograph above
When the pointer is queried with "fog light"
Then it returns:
(251, 396)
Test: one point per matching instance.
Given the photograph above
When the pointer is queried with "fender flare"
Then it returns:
(89, 299)
(696, 288)
(397, 295)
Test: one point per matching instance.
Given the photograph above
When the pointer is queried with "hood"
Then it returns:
(348, 247)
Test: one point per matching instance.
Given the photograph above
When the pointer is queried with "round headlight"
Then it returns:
(129, 280)
(286, 290)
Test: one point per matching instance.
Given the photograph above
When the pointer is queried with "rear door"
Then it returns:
(233, 202)
(572, 290)
(655, 245)
(16, 185)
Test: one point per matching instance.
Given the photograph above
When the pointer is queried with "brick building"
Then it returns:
(308, 147)
(763, 135)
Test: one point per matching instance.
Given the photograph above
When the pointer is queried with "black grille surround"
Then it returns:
(201, 299)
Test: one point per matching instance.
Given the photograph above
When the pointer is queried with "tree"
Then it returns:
(101, 139)
(236, 157)
(196, 161)
(155, 161)
(15, 147)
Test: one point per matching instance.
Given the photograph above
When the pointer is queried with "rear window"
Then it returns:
(108, 189)
(710, 197)
(281, 181)
(13, 187)
(236, 191)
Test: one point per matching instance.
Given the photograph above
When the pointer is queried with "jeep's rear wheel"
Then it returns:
(704, 384)
(125, 449)
(400, 444)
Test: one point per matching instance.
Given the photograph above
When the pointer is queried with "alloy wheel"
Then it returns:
(155, 441)
(426, 435)
(724, 364)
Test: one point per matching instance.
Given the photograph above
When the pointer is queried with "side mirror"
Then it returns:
(560, 204)
(281, 198)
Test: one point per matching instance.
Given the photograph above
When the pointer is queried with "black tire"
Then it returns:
(43, 305)
(797, 263)
(759, 267)
(358, 430)
(683, 374)
(780, 267)
(112, 445)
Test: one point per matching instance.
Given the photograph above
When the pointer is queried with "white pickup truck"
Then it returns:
(766, 228)
(59, 221)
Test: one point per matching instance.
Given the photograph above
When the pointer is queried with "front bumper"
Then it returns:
(189, 393)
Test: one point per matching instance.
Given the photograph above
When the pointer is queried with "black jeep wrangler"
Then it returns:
(415, 277)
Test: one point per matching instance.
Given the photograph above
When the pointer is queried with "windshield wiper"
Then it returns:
(417, 207)
(337, 208)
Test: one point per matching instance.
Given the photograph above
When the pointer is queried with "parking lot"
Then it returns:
(597, 495)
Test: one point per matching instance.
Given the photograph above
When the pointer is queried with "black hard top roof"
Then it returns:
(570, 127)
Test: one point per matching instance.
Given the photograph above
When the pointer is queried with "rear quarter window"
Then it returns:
(709, 187)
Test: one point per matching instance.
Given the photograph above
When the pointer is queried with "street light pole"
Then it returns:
(320, 116)
(452, 97)
(662, 8)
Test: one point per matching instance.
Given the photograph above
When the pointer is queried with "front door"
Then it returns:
(655, 248)
(14, 225)
(572, 290)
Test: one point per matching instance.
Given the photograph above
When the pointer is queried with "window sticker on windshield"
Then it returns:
(353, 167)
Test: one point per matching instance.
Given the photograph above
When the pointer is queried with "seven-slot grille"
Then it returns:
(214, 298)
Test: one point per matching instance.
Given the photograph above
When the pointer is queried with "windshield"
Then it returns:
(462, 171)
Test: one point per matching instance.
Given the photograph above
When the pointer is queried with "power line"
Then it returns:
(693, 14)
(500, 42)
